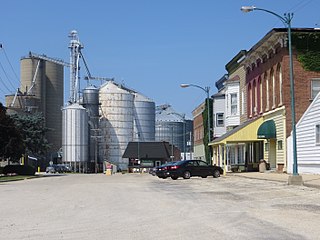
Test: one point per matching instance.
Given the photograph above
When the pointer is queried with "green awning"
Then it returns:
(267, 130)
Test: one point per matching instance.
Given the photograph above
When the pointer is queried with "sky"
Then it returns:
(151, 46)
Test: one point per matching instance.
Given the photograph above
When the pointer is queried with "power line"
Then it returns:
(5, 54)
(1, 80)
(299, 6)
(5, 73)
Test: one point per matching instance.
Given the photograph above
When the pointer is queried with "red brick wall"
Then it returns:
(198, 129)
(302, 84)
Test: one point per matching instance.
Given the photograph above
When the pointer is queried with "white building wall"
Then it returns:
(232, 120)
(219, 107)
(308, 153)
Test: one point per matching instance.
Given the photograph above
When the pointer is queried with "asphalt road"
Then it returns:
(140, 206)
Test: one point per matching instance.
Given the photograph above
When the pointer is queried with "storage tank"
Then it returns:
(43, 81)
(75, 136)
(90, 101)
(170, 126)
(116, 122)
(144, 119)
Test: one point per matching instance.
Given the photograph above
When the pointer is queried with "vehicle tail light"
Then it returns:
(174, 167)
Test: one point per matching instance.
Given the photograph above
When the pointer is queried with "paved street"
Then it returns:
(140, 206)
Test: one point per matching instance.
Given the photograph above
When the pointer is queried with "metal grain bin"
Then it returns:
(75, 136)
(116, 123)
(90, 100)
(144, 119)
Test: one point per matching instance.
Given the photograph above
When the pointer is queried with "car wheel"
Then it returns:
(174, 178)
(205, 176)
(216, 174)
(186, 175)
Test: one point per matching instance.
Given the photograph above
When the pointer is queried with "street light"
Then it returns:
(286, 19)
(207, 90)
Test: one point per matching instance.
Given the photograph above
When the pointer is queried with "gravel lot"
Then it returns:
(140, 206)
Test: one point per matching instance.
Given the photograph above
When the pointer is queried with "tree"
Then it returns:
(11, 144)
(33, 130)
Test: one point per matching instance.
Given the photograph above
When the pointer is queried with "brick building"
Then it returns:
(268, 98)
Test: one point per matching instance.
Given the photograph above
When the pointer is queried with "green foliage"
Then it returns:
(308, 48)
(11, 144)
(33, 130)
(205, 126)
(19, 169)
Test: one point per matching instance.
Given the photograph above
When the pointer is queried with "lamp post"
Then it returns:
(286, 19)
(207, 90)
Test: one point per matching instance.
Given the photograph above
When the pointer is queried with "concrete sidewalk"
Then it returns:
(309, 180)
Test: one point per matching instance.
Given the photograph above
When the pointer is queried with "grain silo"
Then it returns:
(42, 84)
(170, 126)
(75, 137)
(90, 100)
(116, 122)
(144, 119)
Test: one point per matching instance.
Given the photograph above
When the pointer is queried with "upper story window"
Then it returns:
(219, 120)
(318, 134)
(315, 87)
(266, 81)
(234, 103)
(279, 70)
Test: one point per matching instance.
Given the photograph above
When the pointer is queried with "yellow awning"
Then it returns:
(247, 132)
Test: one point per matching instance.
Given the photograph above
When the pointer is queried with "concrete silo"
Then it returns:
(144, 119)
(42, 85)
(116, 122)
(75, 137)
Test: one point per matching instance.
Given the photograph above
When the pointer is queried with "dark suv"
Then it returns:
(190, 168)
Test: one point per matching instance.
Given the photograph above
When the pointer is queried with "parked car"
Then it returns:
(190, 168)
(58, 168)
(162, 171)
(50, 169)
(153, 170)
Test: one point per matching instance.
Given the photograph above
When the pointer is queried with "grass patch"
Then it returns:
(15, 178)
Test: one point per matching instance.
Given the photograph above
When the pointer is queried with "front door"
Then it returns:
(273, 154)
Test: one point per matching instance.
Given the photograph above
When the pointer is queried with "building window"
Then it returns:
(266, 146)
(280, 145)
(219, 120)
(273, 89)
(315, 87)
(261, 95)
(280, 84)
(234, 104)
(318, 134)
(266, 80)
(255, 97)
(242, 102)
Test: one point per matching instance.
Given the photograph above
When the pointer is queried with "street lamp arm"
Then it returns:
(206, 89)
(286, 19)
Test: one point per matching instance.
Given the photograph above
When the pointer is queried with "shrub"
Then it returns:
(19, 169)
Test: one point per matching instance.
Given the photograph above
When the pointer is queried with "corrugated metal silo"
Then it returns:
(116, 122)
(90, 100)
(169, 126)
(75, 135)
(144, 119)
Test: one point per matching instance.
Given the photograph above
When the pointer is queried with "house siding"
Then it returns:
(308, 153)
(218, 107)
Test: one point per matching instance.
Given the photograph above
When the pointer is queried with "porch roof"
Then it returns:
(246, 132)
